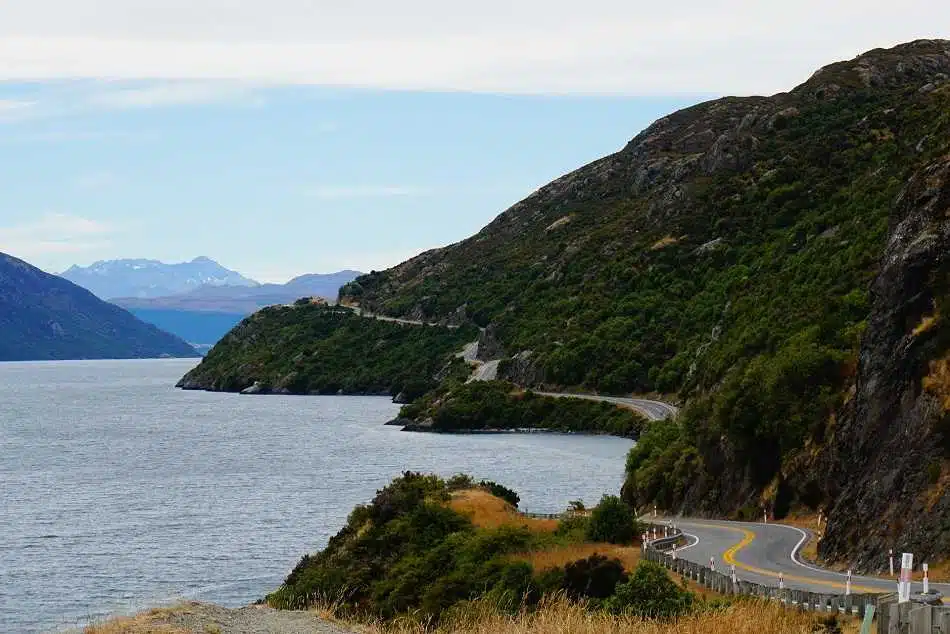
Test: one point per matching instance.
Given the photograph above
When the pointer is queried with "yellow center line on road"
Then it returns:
(729, 556)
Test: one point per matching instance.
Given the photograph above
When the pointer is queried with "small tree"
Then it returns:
(612, 521)
(501, 491)
(650, 593)
(595, 577)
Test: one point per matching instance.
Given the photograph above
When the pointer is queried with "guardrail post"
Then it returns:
(921, 619)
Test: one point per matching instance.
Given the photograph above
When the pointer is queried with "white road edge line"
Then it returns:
(688, 546)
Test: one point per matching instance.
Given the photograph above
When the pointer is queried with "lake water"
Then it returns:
(119, 492)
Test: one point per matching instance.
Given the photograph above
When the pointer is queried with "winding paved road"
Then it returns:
(761, 551)
(653, 410)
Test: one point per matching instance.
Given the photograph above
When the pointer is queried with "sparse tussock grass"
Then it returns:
(559, 616)
(487, 511)
(562, 555)
(149, 622)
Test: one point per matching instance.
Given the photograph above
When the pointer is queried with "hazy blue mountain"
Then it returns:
(44, 317)
(245, 300)
(109, 279)
(202, 329)
(204, 315)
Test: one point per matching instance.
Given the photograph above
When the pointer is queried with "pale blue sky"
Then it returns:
(283, 137)
(282, 181)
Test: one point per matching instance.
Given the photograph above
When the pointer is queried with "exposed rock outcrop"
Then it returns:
(888, 455)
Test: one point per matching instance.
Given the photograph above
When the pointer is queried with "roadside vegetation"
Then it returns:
(426, 546)
(458, 406)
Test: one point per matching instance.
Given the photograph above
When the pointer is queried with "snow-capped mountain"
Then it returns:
(150, 278)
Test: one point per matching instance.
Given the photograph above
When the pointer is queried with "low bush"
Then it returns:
(612, 521)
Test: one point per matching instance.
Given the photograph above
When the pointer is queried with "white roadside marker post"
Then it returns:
(781, 581)
(847, 585)
(907, 564)
(734, 579)
(654, 510)
(674, 552)
(765, 516)
(712, 564)
(926, 581)
(891, 557)
(654, 533)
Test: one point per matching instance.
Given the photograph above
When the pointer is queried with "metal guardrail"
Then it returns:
(723, 583)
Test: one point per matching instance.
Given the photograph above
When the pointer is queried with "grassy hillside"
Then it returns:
(314, 349)
(725, 254)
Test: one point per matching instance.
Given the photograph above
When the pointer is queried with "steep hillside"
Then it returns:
(725, 254)
(314, 349)
(45, 317)
(151, 278)
(888, 464)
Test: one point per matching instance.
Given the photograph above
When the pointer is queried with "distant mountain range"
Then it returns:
(245, 299)
(199, 301)
(150, 278)
(44, 317)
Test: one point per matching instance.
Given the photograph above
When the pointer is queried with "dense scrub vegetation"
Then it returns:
(724, 255)
(409, 552)
(313, 349)
(501, 405)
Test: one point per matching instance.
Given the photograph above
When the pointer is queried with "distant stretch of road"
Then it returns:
(396, 320)
(760, 552)
(487, 371)
(653, 410)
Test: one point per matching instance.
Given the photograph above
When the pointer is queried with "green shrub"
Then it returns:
(573, 528)
(593, 578)
(408, 552)
(612, 521)
(501, 491)
(650, 593)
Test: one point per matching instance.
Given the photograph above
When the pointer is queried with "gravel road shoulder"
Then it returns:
(206, 618)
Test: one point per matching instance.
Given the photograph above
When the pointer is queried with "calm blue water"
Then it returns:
(119, 492)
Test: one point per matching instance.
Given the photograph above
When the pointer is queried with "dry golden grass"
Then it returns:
(487, 511)
(561, 617)
(664, 242)
(928, 322)
(562, 555)
(149, 622)
(937, 381)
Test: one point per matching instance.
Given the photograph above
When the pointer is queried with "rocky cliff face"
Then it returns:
(889, 453)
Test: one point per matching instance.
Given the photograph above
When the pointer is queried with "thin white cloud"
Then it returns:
(331, 192)
(15, 110)
(532, 46)
(54, 233)
(172, 93)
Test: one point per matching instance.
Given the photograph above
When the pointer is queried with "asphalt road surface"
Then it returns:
(653, 410)
(760, 552)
